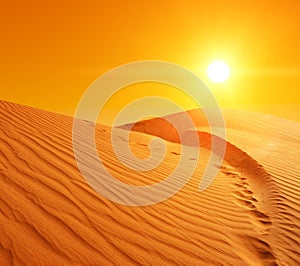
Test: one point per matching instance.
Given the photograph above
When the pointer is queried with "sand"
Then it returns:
(49, 215)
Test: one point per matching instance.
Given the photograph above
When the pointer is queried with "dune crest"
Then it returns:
(50, 215)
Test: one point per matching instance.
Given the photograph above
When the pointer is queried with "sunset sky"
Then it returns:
(51, 51)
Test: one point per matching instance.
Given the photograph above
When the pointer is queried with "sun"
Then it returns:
(218, 71)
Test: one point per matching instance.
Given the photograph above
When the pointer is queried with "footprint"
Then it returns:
(237, 186)
(247, 191)
(262, 224)
(242, 195)
(245, 203)
(141, 144)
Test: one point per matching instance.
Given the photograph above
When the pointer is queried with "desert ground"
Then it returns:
(49, 214)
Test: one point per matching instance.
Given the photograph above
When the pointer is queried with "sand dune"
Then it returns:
(50, 215)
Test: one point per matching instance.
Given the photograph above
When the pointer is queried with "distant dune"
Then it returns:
(49, 215)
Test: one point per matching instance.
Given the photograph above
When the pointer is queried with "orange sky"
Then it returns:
(51, 51)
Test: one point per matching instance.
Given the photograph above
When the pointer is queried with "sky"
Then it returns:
(52, 51)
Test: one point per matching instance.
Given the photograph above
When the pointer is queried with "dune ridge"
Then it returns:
(235, 156)
(50, 215)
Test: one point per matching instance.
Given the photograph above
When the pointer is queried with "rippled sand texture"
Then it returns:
(50, 216)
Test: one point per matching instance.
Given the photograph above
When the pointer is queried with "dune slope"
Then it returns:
(50, 215)
(267, 150)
